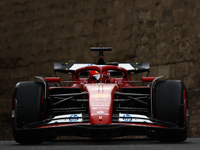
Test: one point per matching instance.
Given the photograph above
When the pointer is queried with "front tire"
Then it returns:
(27, 107)
(171, 106)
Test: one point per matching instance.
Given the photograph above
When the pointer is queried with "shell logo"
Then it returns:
(100, 95)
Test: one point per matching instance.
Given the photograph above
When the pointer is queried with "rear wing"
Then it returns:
(70, 68)
(137, 67)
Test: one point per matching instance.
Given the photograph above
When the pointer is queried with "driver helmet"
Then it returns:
(106, 77)
(93, 76)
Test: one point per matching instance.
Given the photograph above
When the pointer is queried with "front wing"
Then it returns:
(76, 127)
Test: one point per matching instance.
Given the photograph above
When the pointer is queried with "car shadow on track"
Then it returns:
(105, 142)
(109, 142)
(117, 141)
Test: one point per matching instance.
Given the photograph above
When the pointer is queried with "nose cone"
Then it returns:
(101, 102)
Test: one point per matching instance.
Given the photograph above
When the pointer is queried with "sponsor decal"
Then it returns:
(133, 118)
(100, 88)
(133, 115)
(96, 99)
(100, 112)
(101, 95)
(73, 118)
(67, 118)
(100, 108)
(127, 117)
(100, 103)
(90, 65)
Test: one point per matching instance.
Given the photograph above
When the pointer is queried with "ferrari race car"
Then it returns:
(100, 101)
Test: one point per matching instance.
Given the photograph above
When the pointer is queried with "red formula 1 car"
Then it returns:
(100, 101)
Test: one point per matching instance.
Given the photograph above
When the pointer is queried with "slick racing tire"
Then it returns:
(27, 108)
(171, 106)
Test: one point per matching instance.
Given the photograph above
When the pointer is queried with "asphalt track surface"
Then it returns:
(117, 144)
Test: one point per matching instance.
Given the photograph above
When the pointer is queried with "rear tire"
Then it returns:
(27, 105)
(171, 106)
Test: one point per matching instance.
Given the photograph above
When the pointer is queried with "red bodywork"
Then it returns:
(100, 102)
(101, 95)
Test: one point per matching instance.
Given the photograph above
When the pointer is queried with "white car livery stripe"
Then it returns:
(77, 66)
(127, 66)
(133, 115)
(67, 118)
(133, 118)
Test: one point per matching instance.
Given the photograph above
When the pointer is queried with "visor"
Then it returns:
(96, 76)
